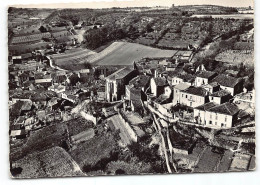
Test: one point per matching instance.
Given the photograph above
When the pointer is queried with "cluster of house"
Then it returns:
(208, 95)
(40, 95)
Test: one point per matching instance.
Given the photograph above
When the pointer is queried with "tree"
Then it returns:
(43, 29)
(149, 28)
(87, 65)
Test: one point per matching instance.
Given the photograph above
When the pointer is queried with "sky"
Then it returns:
(134, 3)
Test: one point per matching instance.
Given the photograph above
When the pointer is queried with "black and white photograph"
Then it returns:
(131, 88)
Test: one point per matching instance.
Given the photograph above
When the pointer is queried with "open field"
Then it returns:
(54, 162)
(124, 53)
(118, 53)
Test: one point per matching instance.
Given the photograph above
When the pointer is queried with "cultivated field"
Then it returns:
(124, 53)
(72, 58)
(118, 53)
(237, 56)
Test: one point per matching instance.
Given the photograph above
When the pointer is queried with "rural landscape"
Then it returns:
(132, 90)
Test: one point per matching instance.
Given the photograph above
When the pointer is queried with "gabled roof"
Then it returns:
(226, 108)
(206, 74)
(225, 80)
(199, 91)
(220, 93)
(206, 106)
(182, 86)
(161, 81)
(175, 72)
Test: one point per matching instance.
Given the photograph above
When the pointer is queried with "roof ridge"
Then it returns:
(227, 108)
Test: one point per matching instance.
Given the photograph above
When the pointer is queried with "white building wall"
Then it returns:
(153, 87)
(218, 120)
(230, 89)
(191, 100)
(200, 115)
(176, 96)
(200, 81)
(216, 100)
(176, 81)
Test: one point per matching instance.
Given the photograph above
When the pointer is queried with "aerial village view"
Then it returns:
(134, 90)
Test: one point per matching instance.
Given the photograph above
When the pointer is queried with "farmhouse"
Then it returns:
(177, 92)
(115, 83)
(157, 86)
(222, 116)
(231, 84)
(199, 112)
(194, 96)
(182, 78)
(212, 87)
(220, 97)
(218, 116)
(204, 77)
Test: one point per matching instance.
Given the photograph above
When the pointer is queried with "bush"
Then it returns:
(16, 171)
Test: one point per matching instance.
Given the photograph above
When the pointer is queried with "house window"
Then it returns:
(210, 122)
(182, 95)
(191, 97)
(216, 116)
(212, 98)
(186, 96)
(191, 104)
(223, 125)
(210, 116)
(226, 119)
